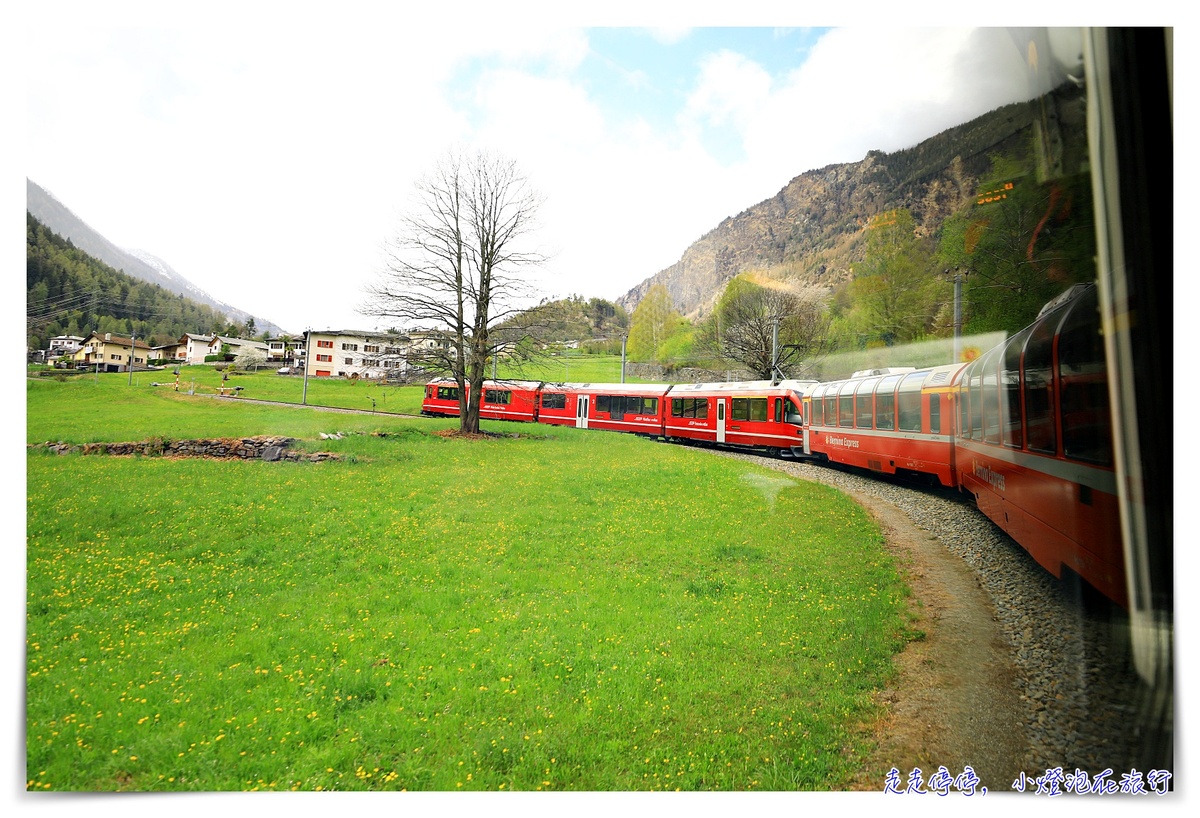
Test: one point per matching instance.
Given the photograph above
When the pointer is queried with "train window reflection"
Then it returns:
(846, 404)
(991, 397)
(909, 401)
(885, 403)
(862, 403)
(1084, 384)
(1040, 434)
(1010, 383)
(831, 404)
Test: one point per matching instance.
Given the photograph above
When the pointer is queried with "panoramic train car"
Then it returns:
(752, 414)
(502, 400)
(1034, 443)
(616, 407)
(897, 423)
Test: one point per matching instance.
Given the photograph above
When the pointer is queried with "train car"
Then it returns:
(616, 407)
(1034, 443)
(751, 414)
(898, 423)
(441, 398)
(502, 400)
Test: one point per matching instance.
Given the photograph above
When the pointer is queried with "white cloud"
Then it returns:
(731, 88)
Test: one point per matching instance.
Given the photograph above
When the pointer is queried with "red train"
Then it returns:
(1024, 429)
(755, 415)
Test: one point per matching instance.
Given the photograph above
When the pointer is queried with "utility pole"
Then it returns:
(958, 277)
(775, 350)
(304, 395)
(132, 342)
(624, 338)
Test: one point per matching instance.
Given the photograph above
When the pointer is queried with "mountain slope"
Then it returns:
(137, 263)
(813, 228)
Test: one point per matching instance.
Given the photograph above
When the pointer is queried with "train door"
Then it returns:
(720, 420)
(806, 423)
(581, 412)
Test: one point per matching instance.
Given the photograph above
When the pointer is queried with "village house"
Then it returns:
(111, 353)
(233, 346)
(64, 345)
(281, 350)
(356, 354)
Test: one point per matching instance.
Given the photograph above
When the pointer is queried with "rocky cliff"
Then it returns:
(811, 232)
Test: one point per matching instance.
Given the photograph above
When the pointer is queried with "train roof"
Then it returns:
(490, 384)
(741, 386)
(630, 388)
(929, 376)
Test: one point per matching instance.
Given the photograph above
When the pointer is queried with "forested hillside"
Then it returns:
(70, 293)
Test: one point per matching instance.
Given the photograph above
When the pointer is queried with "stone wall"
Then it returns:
(261, 447)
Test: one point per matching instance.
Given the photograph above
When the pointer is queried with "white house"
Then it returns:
(354, 354)
(235, 345)
(64, 345)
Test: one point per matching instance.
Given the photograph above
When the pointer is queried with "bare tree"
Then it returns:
(454, 268)
(775, 333)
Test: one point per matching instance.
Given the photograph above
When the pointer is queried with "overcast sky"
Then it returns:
(267, 155)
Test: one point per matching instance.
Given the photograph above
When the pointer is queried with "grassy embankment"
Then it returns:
(561, 610)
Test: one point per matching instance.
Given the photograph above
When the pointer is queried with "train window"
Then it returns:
(554, 400)
(778, 410)
(831, 405)
(602, 403)
(991, 397)
(749, 409)
(935, 414)
(447, 393)
(964, 410)
(908, 400)
(885, 402)
(1010, 385)
(846, 404)
(649, 406)
(1084, 384)
(975, 384)
(501, 396)
(862, 403)
(793, 413)
(688, 407)
(816, 406)
(1040, 435)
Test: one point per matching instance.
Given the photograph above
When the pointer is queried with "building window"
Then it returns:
(325, 359)
(350, 347)
(371, 348)
(349, 361)
(325, 344)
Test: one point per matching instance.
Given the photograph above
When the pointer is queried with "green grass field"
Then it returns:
(554, 609)
(342, 393)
